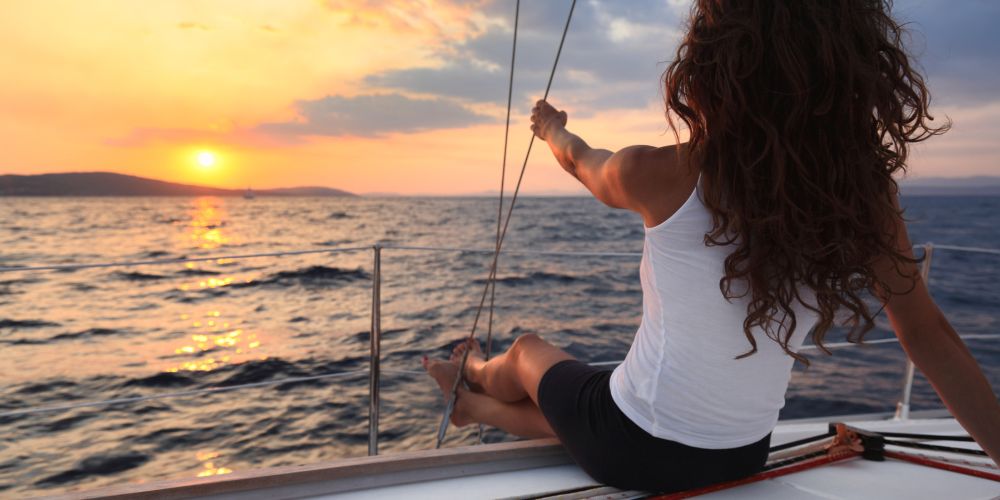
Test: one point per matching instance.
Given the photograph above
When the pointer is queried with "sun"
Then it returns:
(205, 159)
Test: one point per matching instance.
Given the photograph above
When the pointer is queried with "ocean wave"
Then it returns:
(62, 424)
(96, 465)
(335, 243)
(587, 305)
(533, 278)
(259, 371)
(309, 276)
(197, 272)
(136, 276)
(90, 332)
(162, 379)
(25, 323)
(43, 387)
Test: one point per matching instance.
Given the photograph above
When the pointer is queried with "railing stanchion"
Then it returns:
(903, 406)
(374, 357)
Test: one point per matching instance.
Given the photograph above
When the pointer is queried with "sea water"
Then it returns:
(96, 334)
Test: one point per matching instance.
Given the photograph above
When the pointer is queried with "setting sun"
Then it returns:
(206, 159)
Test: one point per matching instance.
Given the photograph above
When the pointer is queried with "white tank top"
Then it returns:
(680, 380)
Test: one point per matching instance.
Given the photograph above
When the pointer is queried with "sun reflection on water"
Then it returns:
(206, 458)
(218, 340)
(207, 220)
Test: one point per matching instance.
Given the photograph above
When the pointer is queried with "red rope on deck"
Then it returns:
(941, 465)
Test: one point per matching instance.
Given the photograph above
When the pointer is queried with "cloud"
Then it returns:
(458, 79)
(616, 47)
(612, 48)
(956, 42)
(373, 115)
(442, 18)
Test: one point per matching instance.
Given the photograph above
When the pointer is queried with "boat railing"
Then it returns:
(375, 370)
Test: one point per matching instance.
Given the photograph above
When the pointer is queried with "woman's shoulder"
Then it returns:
(658, 180)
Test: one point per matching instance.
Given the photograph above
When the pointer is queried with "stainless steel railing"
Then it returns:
(375, 356)
(375, 339)
(903, 406)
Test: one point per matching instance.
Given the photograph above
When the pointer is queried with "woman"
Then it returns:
(774, 219)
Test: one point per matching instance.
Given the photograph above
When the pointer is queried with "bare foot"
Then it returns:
(473, 364)
(444, 373)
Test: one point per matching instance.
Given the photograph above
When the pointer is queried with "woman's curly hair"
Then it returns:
(800, 112)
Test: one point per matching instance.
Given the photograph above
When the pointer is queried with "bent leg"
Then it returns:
(515, 374)
(521, 418)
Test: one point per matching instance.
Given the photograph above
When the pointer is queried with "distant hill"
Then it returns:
(981, 185)
(109, 184)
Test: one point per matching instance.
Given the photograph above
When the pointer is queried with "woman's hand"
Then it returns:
(546, 121)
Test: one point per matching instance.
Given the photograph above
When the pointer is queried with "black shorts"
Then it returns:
(576, 400)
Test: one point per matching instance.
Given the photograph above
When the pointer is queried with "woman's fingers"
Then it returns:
(542, 116)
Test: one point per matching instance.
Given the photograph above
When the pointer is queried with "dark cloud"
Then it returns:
(621, 47)
(373, 115)
(614, 56)
(611, 47)
(958, 45)
(458, 79)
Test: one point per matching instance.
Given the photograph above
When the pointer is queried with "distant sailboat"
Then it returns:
(249, 194)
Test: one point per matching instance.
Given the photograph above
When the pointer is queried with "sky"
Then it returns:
(387, 96)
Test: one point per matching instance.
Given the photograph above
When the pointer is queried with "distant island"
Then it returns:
(982, 185)
(111, 184)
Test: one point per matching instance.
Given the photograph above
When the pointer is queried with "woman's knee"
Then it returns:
(523, 343)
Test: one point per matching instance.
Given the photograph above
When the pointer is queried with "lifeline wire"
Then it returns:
(503, 177)
(197, 392)
(443, 428)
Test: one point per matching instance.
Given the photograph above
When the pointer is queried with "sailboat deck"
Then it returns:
(540, 468)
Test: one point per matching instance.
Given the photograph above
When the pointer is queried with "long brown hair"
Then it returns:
(800, 112)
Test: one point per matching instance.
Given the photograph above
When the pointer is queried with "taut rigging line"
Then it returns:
(501, 232)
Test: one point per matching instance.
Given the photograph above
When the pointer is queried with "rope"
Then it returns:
(443, 428)
(938, 464)
(992, 251)
(971, 336)
(198, 392)
(513, 252)
(836, 345)
(156, 262)
(986, 464)
(933, 437)
(195, 392)
(503, 177)
(847, 443)
(793, 444)
(936, 447)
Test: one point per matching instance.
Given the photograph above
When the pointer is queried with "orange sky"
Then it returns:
(142, 87)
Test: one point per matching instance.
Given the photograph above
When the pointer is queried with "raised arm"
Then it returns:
(644, 179)
(935, 348)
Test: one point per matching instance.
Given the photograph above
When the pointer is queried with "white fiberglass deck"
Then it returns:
(852, 479)
(532, 469)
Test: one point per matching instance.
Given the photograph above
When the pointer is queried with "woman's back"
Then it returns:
(681, 379)
(778, 216)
